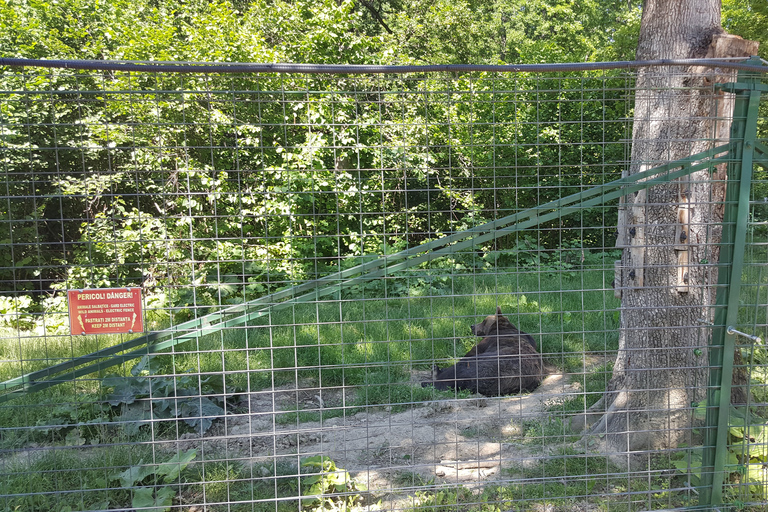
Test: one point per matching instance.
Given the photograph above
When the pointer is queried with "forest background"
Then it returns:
(198, 225)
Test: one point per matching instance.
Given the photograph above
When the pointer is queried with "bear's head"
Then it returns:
(494, 325)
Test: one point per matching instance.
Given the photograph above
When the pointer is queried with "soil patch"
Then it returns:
(463, 441)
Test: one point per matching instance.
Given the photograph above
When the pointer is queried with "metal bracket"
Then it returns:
(734, 87)
(636, 241)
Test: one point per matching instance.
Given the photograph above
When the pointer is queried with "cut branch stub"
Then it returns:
(636, 242)
(682, 239)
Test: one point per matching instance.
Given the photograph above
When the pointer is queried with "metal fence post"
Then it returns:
(743, 138)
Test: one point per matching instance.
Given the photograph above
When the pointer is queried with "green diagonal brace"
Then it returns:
(761, 154)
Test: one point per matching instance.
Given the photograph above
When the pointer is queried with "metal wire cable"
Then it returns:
(356, 69)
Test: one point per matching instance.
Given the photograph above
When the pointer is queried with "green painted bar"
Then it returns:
(743, 133)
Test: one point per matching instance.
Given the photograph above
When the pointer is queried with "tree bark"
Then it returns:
(670, 236)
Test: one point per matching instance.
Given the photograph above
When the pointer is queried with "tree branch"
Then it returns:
(376, 15)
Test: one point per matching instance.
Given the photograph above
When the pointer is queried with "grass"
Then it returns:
(568, 480)
(54, 480)
(369, 343)
(86, 482)
(374, 340)
(273, 487)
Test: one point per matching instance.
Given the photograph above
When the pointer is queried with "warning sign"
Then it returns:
(105, 311)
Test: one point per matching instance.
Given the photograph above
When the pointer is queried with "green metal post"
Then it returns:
(721, 355)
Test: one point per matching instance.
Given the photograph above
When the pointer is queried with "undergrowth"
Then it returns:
(370, 342)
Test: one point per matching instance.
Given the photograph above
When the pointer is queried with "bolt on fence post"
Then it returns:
(750, 337)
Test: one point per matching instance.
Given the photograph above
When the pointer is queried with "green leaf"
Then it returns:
(133, 417)
(143, 497)
(690, 464)
(701, 410)
(164, 387)
(126, 389)
(753, 440)
(338, 479)
(199, 412)
(134, 474)
(308, 502)
(164, 405)
(74, 438)
(171, 469)
(757, 476)
(164, 497)
(146, 498)
(316, 461)
(140, 366)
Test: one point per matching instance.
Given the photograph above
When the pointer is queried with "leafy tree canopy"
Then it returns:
(149, 168)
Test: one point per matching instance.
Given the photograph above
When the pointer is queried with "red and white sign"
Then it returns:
(105, 311)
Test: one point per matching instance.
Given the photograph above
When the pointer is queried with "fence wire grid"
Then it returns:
(308, 248)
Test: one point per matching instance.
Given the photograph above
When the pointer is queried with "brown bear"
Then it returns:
(503, 363)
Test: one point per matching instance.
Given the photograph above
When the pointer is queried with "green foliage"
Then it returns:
(74, 423)
(443, 500)
(539, 432)
(503, 31)
(328, 487)
(144, 396)
(431, 278)
(748, 20)
(158, 497)
(748, 442)
(46, 314)
(138, 182)
(747, 454)
(565, 260)
(16, 312)
(155, 143)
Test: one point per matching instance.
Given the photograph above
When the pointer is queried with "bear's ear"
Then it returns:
(498, 310)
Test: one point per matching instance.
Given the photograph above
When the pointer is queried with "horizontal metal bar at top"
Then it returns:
(355, 69)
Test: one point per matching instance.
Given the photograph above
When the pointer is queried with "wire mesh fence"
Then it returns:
(358, 292)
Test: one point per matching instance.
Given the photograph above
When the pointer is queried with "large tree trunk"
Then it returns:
(669, 234)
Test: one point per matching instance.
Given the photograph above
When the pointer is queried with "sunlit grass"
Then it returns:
(22, 353)
(353, 341)
(340, 342)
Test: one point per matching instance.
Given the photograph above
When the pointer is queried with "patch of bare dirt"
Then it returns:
(460, 441)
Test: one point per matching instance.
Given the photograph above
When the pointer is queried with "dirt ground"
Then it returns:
(467, 441)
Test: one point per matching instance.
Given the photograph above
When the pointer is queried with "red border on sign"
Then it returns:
(105, 311)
